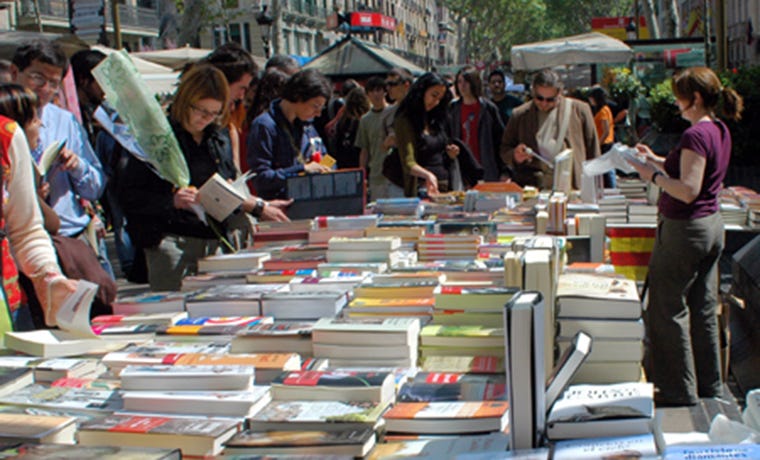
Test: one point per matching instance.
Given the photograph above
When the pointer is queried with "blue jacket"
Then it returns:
(272, 142)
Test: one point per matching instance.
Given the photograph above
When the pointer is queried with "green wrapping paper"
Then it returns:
(126, 91)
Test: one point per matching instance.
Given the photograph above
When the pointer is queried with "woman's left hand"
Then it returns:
(452, 150)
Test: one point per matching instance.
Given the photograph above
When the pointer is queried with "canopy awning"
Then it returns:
(351, 57)
(591, 48)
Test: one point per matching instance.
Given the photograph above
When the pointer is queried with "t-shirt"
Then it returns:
(709, 139)
(470, 117)
(370, 136)
(605, 114)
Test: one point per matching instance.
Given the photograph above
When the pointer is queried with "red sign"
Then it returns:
(381, 21)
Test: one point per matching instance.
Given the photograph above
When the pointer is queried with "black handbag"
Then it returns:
(392, 168)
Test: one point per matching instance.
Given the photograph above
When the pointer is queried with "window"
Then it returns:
(246, 36)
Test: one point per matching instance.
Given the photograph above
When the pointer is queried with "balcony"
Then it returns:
(56, 13)
(304, 12)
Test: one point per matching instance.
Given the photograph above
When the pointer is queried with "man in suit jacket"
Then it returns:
(548, 105)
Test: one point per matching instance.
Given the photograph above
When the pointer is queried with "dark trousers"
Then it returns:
(681, 319)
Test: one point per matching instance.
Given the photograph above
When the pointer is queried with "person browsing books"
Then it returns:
(21, 227)
(421, 137)
(681, 318)
(282, 142)
(161, 219)
(537, 125)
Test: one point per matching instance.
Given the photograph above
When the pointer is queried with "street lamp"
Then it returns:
(264, 20)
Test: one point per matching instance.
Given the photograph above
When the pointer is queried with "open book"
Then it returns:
(567, 366)
(49, 155)
(220, 198)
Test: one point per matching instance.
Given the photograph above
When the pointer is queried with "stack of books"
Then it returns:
(448, 247)
(229, 300)
(364, 249)
(641, 212)
(305, 256)
(239, 262)
(399, 206)
(609, 310)
(364, 342)
(150, 302)
(470, 341)
(632, 187)
(339, 281)
(281, 336)
(303, 305)
(271, 233)
(456, 305)
(614, 208)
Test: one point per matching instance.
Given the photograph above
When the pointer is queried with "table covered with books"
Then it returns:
(480, 322)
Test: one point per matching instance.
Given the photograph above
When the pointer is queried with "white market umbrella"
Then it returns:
(591, 48)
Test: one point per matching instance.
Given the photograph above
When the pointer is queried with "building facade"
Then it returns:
(139, 20)
(422, 31)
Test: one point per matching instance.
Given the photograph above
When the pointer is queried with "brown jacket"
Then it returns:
(581, 137)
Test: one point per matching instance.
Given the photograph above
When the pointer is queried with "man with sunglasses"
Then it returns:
(537, 125)
(77, 174)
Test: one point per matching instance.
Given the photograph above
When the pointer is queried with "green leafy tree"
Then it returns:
(199, 15)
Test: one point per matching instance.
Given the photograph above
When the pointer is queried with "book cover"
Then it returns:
(151, 302)
(238, 261)
(49, 343)
(465, 336)
(592, 296)
(356, 443)
(65, 451)
(447, 417)
(567, 366)
(236, 403)
(78, 399)
(712, 452)
(37, 428)
(611, 447)
(334, 385)
(474, 364)
(310, 415)
(582, 403)
(219, 198)
(167, 377)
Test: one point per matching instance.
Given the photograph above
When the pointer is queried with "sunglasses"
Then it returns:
(547, 99)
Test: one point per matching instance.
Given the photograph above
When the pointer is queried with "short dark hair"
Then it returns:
(82, 63)
(498, 72)
(18, 103)
(599, 95)
(375, 83)
(306, 84)
(282, 62)
(233, 61)
(472, 76)
(41, 50)
(404, 74)
(547, 77)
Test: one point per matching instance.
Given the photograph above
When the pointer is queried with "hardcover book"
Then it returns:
(355, 443)
(194, 436)
(334, 385)
(447, 417)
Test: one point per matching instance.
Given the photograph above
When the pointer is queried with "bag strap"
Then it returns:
(563, 125)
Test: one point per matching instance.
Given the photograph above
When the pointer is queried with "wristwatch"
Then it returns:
(259, 207)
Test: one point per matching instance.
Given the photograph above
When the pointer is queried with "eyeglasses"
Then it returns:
(393, 82)
(39, 80)
(547, 99)
(206, 113)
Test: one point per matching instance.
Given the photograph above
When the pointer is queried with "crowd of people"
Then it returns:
(413, 136)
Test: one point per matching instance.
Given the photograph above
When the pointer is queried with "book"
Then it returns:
(278, 276)
(241, 261)
(194, 436)
(601, 328)
(50, 343)
(222, 327)
(49, 156)
(366, 331)
(592, 296)
(317, 416)
(607, 350)
(483, 299)
(29, 428)
(586, 411)
(400, 289)
(524, 343)
(162, 319)
(219, 198)
(447, 417)
(150, 302)
(167, 377)
(285, 305)
(65, 398)
(640, 446)
(440, 447)
(334, 385)
(450, 386)
(345, 282)
(568, 364)
(461, 336)
(54, 369)
(375, 243)
(355, 443)
(232, 300)
(608, 372)
(473, 364)
(63, 451)
(711, 452)
(198, 402)
(293, 337)
(14, 378)
(360, 351)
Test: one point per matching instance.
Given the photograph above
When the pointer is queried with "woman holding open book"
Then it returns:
(20, 218)
(683, 271)
(162, 220)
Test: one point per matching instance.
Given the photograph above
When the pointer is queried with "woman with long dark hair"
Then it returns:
(421, 135)
(681, 318)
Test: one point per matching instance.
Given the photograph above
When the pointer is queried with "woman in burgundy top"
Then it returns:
(683, 271)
